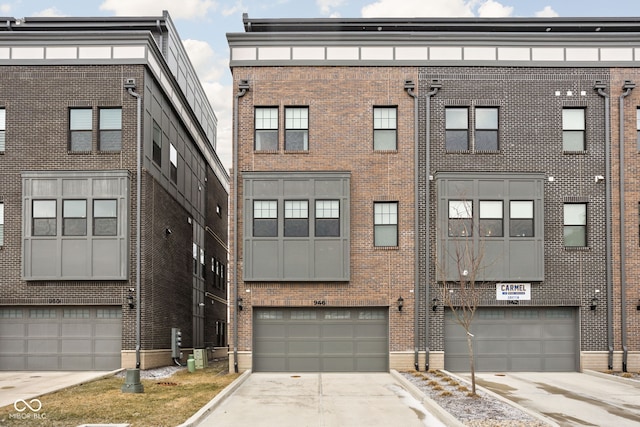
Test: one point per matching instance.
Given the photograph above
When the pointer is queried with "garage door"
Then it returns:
(515, 339)
(60, 338)
(321, 340)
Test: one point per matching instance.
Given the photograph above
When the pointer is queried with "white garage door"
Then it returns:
(60, 338)
(525, 339)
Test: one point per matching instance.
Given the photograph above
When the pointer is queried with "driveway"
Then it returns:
(570, 398)
(320, 399)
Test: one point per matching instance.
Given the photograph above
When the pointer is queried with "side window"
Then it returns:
(74, 217)
(157, 144)
(296, 135)
(1, 223)
(296, 218)
(385, 128)
(110, 135)
(3, 129)
(105, 217)
(457, 128)
(265, 218)
(80, 129)
(385, 224)
(44, 218)
(637, 129)
(173, 160)
(575, 224)
(486, 130)
(573, 129)
(327, 218)
(460, 218)
(521, 218)
(266, 129)
(491, 218)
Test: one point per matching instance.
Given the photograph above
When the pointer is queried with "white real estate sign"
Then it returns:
(513, 291)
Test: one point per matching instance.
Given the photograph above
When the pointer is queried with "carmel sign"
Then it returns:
(513, 291)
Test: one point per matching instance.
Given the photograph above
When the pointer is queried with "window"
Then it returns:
(203, 270)
(573, 129)
(296, 218)
(486, 131)
(296, 134)
(44, 218)
(266, 126)
(385, 128)
(3, 129)
(457, 129)
(74, 217)
(80, 129)
(327, 218)
(521, 218)
(386, 224)
(265, 218)
(637, 130)
(110, 129)
(173, 160)
(460, 215)
(157, 144)
(1, 223)
(219, 211)
(575, 224)
(105, 218)
(195, 259)
(491, 214)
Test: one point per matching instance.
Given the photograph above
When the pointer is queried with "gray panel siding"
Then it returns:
(545, 341)
(327, 340)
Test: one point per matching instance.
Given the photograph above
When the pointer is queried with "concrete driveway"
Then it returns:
(320, 399)
(570, 398)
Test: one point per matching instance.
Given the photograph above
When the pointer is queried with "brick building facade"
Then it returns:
(486, 134)
(68, 192)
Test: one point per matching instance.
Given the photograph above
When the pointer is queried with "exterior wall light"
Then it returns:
(400, 303)
(434, 304)
(130, 301)
(594, 303)
(240, 307)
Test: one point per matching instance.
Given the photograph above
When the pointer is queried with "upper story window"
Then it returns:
(3, 129)
(385, 126)
(486, 130)
(173, 160)
(157, 144)
(457, 128)
(266, 129)
(296, 218)
(44, 218)
(296, 135)
(105, 217)
(491, 218)
(575, 224)
(265, 218)
(80, 129)
(385, 224)
(327, 218)
(573, 129)
(74, 217)
(460, 218)
(1, 223)
(110, 135)
(521, 218)
(637, 128)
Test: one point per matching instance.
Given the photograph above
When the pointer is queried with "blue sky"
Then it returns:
(202, 25)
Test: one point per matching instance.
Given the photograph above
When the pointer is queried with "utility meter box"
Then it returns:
(200, 356)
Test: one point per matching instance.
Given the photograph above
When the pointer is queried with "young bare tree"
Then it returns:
(461, 267)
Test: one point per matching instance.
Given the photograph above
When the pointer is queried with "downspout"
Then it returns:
(243, 87)
(410, 86)
(627, 87)
(600, 86)
(435, 85)
(130, 88)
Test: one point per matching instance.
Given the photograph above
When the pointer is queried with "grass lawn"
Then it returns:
(165, 402)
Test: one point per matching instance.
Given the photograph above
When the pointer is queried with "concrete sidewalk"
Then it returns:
(570, 398)
(29, 385)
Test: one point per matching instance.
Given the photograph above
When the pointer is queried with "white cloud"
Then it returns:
(493, 9)
(327, 6)
(547, 12)
(183, 9)
(5, 8)
(415, 8)
(51, 12)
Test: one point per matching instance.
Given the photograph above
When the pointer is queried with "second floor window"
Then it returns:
(74, 217)
(573, 129)
(296, 135)
(575, 224)
(265, 218)
(266, 129)
(521, 218)
(486, 131)
(80, 129)
(386, 224)
(296, 218)
(457, 129)
(491, 218)
(327, 218)
(3, 129)
(460, 218)
(105, 217)
(157, 144)
(1, 223)
(44, 218)
(385, 128)
(173, 160)
(110, 129)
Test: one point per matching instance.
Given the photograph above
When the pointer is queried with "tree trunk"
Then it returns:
(471, 364)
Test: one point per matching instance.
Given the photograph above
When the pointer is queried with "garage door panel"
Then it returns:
(11, 329)
(486, 363)
(76, 346)
(558, 331)
(42, 363)
(525, 330)
(338, 364)
(526, 364)
(303, 347)
(12, 346)
(76, 363)
(338, 331)
(370, 346)
(108, 330)
(43, 329)
(303, 331)
(370, 364)
(525, 347)
(42, 346)
(337, 347)
(107, 346)
(76, 330)
(367, 331)
(490, 347)
(302, 364)
(491, 330)
(12, 363)
(558, 347)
